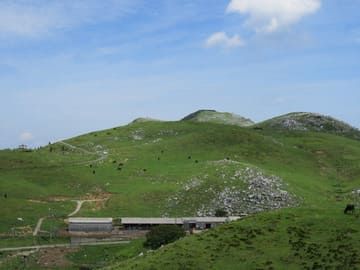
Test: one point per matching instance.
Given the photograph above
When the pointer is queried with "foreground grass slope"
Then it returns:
(288, 239)
(138, 169)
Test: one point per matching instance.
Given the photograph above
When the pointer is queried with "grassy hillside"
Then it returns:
(182, 168)
(320, 168)
(289, 239)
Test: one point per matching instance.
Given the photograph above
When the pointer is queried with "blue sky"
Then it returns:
(70, 67)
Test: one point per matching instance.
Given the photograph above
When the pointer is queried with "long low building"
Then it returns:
(188, 223)
(90, 225)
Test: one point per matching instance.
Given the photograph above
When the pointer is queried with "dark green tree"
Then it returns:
(221, 213)
(162, 235)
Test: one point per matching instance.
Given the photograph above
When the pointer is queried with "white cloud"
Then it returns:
(33, 18)
(221, 39)
(26, 136)
(269, 16)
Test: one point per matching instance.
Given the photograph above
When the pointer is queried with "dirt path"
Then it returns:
(77, 209)
(102, 155)
(75, 147)
(38, 226)
(79, 204)
(63, 246)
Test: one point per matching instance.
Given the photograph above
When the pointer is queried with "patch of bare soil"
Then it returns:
(55, 258)
(36, 201)
(59, 199)
(98, 199)
(23, 231)
(98, 194)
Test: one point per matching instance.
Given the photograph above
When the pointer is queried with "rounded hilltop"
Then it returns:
(305, 121)
(213, 116)
(145, 120)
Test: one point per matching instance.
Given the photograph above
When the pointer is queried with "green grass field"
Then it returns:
(146, 163)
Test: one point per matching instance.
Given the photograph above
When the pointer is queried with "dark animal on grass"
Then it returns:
(5, 195)
(349, 208)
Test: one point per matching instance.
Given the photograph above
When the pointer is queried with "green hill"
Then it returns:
(145, 119)
(212, 116)
(187, 168)
(303, 121)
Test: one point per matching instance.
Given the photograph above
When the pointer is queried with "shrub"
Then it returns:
(221, 213)
(162, 235)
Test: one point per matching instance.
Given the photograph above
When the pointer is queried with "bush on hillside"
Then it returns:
(162, 235)
(221, 213)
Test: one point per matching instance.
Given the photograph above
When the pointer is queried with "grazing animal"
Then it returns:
(5, 195)
(349, 208)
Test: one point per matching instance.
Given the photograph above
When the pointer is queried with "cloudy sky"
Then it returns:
(72, 66)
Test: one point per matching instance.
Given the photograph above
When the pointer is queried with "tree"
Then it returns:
(162, 235)
(221, 213)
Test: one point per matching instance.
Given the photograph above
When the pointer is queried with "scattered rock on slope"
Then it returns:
(312, 122)
(238, 189)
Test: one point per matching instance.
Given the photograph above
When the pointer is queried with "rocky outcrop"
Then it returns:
(238, 189)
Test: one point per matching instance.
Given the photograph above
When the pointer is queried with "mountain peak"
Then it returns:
(306, 121)
(213, 116)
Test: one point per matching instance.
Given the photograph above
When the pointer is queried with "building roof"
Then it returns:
(90, 220)
(178, 221)
(152, 221)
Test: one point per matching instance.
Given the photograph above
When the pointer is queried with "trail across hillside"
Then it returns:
(79, 204)
(102, 155)
(38, 226)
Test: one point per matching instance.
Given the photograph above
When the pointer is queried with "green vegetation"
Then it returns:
(97, 257)
(221, 213)
(163, 235)
(288, 239)
(139, 170)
